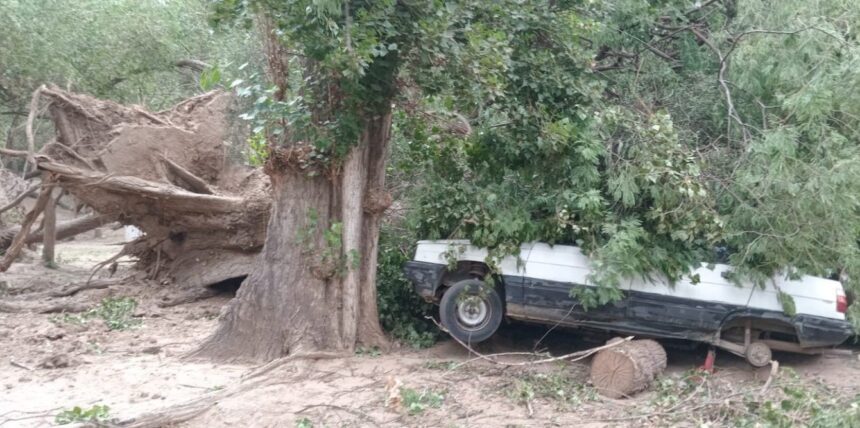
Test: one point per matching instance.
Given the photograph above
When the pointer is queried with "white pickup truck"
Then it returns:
(536, 287)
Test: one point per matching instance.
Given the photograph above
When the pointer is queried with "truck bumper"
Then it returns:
(815, 331)
(425, 278)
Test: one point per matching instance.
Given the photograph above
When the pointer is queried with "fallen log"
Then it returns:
(628, 368)
(64, 230)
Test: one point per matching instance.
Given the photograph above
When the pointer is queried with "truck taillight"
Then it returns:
(841, 303)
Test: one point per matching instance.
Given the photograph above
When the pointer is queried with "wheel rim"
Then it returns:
(472, 312)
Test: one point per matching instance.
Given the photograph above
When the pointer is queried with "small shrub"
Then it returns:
(417, 402)
(97, 413)
(401, 312)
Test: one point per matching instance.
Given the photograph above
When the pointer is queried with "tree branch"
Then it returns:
(195, 183)
(19, 198)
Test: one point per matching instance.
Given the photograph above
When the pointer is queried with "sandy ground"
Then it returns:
(51, 363)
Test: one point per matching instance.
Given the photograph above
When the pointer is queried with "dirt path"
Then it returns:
(52, 363)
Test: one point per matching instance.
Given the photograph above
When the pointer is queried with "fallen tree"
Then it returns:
(167, 173)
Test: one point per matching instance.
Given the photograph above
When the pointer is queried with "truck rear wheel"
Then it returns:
(758, 354)
(471, 311)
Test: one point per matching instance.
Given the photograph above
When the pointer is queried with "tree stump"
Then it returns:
(627, 368)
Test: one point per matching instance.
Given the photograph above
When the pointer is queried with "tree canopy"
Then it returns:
(655, 135)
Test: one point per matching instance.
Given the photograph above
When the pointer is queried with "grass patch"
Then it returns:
(417, 402)
(97, 413)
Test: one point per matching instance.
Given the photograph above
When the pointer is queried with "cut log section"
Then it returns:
(628, 368)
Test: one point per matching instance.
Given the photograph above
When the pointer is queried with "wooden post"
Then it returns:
(50, 228)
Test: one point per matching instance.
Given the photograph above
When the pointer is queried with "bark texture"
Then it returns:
(627, 368)
(309, 291)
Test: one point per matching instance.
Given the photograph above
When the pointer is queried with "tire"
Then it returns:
(758, 354)
(471, 311)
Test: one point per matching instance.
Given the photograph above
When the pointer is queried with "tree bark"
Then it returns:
(288, 302)
(49, 230)
(307, 293)
(376, 201)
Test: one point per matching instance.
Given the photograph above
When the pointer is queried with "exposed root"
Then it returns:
(99, 266)
(185, 412)
(195, 295)
(172, 416)
(25, 307)
(167, 173)
(73, 289)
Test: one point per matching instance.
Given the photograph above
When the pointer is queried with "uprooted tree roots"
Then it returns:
(167, 173)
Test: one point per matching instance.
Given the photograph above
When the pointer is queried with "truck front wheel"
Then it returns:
(471, 311)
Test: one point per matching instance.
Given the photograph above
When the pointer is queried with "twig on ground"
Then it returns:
(774, 367)
(19, 365)
(355, 412)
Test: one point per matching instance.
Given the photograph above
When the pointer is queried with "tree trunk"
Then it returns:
(313, 287)
(627, 368)
(376, 201)
(288, 302)
(49, 228)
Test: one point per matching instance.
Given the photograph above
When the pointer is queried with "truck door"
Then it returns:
(687, 306)
(550, 277)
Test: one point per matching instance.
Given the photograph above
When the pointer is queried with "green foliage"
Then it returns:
(304, 423)
(801, 405)
(791, 401)
(145, 52)
(356, 50)
(417, 402)
(557, 386)
(256, 152)
(210, 77)
(643, 165)
(787, 303)
(96, 413)
(783, 169)
(116, 312)
(401, 312)
(125, 50)
(549, 161)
